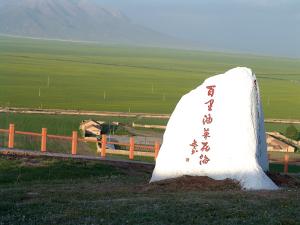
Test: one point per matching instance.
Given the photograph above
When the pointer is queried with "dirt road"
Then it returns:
(77, 112)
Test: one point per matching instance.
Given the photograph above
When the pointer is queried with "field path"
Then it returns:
(81, 112)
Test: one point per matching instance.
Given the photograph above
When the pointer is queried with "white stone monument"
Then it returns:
(217, 130)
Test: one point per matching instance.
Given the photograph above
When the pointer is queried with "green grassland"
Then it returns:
(51, 191)
(117, 78)
(56, 124)
(65, 124)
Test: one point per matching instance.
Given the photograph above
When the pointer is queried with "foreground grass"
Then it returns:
(31, 170)
(50, 191)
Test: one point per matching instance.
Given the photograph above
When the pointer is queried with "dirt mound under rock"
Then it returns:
(197, 183)
(187, 183)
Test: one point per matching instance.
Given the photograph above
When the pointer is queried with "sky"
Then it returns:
(267, 27)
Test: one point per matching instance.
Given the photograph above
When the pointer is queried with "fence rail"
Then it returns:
(134, 149)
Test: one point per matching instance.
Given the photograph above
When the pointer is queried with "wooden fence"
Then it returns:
(285, 162)
(134, 149)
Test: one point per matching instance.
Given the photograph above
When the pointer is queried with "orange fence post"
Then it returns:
(156, 149)
(286, 163)
(103, 146)
(131, 148)
(44, 140)
(11, 136)
(74, 142)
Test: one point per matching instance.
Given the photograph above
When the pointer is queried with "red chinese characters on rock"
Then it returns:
(206, 133)
(210, 104)
(204, 159)
(194, 145)
(207, 120)
(211, 90)
(205, 146)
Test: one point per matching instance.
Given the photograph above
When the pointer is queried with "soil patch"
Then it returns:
(285, 180)
(190, 183)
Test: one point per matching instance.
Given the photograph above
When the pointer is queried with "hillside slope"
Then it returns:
(73, 20)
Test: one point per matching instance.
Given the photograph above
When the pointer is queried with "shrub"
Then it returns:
(292, 132)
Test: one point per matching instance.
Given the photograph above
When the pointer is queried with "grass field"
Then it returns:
(56, 124)
(65, 124)
(51, 191)
(51, 74)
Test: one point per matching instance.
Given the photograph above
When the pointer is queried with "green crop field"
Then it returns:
(66, 75)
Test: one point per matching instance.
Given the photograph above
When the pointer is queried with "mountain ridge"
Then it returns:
(78, 20)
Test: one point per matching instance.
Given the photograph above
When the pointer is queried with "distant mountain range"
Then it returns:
(79, 20)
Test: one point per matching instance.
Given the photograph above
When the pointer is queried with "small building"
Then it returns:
(90, 128)
(277, 145)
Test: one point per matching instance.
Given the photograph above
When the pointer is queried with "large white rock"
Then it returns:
(217, 130)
